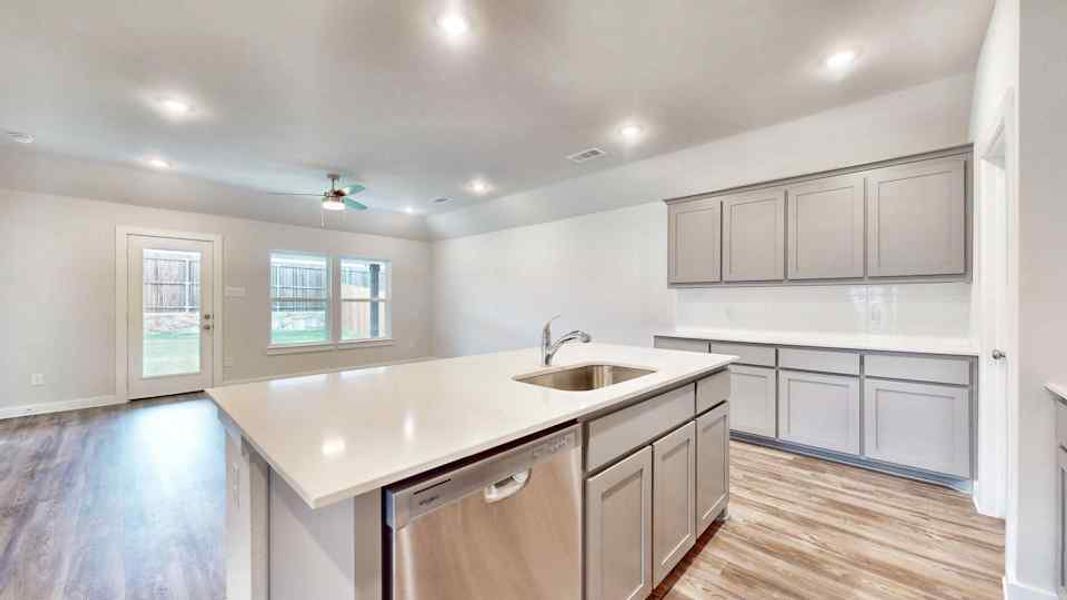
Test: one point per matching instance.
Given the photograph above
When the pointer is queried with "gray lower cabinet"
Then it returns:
(920, 425)
(1061, 521)
(826, 228)
(673, 499)
(753, 236)
(618, 521)
(753, 403)
(917, 219)
(713, 465)
(819, 410)
(694, 231)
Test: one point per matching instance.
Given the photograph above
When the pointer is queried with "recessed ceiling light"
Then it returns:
(20, 137)
(157, 163)
(631, 132)
(409, 210)
(479, 186)
(841, 60)
(174, 107)
(454, 25)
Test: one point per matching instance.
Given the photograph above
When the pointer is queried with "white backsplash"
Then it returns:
(899, 309)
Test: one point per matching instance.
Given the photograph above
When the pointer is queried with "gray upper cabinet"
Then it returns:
(618, 522)
(713, 465)
(819, 410)
(826, 228)
(673, 499)
(695, 241)
(917, 219)
(753, 236)
(921, 425)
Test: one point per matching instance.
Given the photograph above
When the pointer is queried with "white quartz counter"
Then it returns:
(852, 341)
(1059, 390)
(337, 435)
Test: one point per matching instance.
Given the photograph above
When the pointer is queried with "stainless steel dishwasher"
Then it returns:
(508, 526)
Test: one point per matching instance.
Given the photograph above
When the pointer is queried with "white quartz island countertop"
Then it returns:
(337, 435)
(854, 341)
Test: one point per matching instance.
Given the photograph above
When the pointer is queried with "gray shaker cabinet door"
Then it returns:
(921, 425)
(753, 400)
(826, 228)
(753, 230)
(618, 525)
(673, 499)
(819, 410)
(917, 219)
(694, 238)
(713, 465)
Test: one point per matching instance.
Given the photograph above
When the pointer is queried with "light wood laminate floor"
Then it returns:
(128, 502)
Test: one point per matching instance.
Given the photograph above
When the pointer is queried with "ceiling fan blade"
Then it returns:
(291, 194)
(352, 190)
(353, 205)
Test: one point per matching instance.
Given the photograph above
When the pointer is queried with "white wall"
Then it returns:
(606, 271)
(57, 284)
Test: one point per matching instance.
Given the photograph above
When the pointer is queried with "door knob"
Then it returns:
(207, 326)
(998, 354)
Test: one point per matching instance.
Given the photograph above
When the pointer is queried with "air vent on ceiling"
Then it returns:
(586, 155)
(440, 200)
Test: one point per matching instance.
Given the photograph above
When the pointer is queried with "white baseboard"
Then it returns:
(322, 371)
(1015, 590)
(10, 412)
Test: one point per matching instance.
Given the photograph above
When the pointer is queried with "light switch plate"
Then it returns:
(37, 379)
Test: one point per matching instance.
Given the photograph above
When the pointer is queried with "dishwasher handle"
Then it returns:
(507, 487)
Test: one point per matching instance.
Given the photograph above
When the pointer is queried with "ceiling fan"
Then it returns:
(337, 198)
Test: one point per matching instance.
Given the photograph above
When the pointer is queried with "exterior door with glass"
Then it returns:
(170, 320)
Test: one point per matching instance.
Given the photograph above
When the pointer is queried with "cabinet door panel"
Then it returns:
(753, 230)
(819, 410)
(826, 228)
(713, 465)
(753, 400)
(694, 231)
(921, 425)
(673, 499)
(618, 521)
(916, 219)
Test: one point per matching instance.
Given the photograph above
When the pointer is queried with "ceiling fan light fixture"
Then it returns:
(332, 204)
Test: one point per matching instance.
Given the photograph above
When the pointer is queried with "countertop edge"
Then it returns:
(316, 501)
(1058, 390)
(889, 343)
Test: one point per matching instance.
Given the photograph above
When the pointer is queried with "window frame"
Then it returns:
(388, 302)
(334, 305)
(297, 346)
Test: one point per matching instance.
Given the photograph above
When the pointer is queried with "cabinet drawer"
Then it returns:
(613, 435)
(827, 361)
(712, 390)
(668, 343)
(749, 354)
(919, 368)
(1061, 423)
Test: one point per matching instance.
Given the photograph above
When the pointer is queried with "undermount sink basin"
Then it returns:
(584, 377)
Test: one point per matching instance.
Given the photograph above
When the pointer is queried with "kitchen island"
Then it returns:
(308, 457)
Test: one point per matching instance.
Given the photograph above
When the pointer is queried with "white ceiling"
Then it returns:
(286, 91)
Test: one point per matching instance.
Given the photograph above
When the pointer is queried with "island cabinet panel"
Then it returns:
(753, 236)
(819, 410)
(668, 343)
(1061, 521)
(694, 234)
(616, 434)
(753, 400)
(713, 390)
(917, 219)
(921, 425)
(618, 520)
(673, 499)
(713, 465)
(826, 228)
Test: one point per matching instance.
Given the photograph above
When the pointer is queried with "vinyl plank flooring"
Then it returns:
(128, 503)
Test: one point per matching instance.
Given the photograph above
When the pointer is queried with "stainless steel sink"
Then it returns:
(583, 378)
